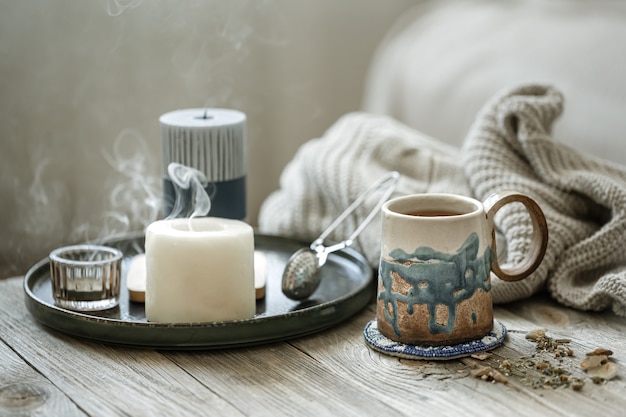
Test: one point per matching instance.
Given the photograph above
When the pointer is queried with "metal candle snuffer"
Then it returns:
(301, 275)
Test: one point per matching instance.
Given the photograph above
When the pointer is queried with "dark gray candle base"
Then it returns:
(228, 199)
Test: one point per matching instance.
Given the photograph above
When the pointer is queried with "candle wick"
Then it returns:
(205, 115)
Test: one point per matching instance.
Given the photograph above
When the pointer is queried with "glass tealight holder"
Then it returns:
(86, 277)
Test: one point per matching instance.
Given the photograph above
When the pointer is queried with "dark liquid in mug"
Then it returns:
(434, 213)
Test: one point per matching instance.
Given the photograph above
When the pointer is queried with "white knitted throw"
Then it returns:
(509, 147)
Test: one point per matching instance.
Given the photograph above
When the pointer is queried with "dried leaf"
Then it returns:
(536, 334)
(600, 352)
(481, 356)
(604, 372)
(480, 371)
(594, 361)
(489, 374)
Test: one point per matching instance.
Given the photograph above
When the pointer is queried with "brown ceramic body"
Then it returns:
(434, 285)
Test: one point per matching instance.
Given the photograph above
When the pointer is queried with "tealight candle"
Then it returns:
(199, 270)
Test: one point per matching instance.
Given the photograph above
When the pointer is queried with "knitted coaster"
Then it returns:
(380, 343)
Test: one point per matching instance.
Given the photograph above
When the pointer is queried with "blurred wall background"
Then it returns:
(83, 83)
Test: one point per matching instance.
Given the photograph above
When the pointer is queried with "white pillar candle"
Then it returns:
(199, 270)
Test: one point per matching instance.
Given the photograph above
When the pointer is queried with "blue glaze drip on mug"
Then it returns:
(435, 278)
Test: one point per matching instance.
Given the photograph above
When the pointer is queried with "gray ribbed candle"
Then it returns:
(213, 141)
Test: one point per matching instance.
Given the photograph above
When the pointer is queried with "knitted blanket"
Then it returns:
(508, 147)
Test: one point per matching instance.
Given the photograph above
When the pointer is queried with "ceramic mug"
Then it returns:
(437, 253)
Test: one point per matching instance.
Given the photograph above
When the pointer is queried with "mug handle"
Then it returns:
(539, 240)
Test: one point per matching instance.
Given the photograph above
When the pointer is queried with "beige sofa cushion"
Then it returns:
(443, 60)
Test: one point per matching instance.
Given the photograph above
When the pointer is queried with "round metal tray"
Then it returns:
(345, 289)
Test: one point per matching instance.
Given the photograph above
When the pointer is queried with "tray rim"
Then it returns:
(318, 317)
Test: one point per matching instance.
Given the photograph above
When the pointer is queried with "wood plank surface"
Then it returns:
(104, 380)
(447, 388)
(329, 373)
(23, 391)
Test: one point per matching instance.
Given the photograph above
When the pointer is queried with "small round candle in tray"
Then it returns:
(86, 277)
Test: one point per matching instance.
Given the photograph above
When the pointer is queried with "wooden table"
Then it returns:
(47, 373)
